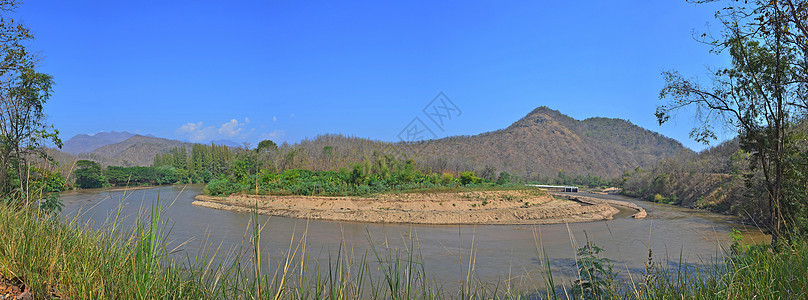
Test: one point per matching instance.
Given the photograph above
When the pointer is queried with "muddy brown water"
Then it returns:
(500, 251)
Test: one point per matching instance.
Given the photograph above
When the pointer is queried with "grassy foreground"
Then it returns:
(58, 259)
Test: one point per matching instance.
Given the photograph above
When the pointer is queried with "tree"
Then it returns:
(88, 174)
(762, 93)
(266, 145)
(23, 94)
(245, 165)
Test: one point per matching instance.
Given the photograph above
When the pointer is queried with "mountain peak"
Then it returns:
(544, 110)
(544, 115)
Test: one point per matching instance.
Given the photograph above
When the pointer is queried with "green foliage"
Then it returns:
(504, 178)
(467, 178)
(328, 151)
(118, 263)
(357, 177)
(203, 164)
(761, 94)
(45, 188)
(673, 199)
(266, 145)
(354, 182)
(223, 186)
(595, 273)
(407, 173)
(244, 167)
(24, 132)
(588, 180)
(447, 178)
(89, 175)
(122, 176)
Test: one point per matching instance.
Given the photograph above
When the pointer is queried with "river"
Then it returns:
(500, 251)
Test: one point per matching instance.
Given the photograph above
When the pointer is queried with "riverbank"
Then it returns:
(641, 213)
(528, 206)
(58, 260)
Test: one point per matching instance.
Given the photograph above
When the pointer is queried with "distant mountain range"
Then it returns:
(138, 150)
(120, 148)
(227, 143)
(542, 143)
(83, 143)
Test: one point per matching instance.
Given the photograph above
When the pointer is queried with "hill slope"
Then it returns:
(545, 142)
(539, 145)
(138, 150)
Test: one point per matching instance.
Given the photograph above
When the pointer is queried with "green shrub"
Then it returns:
(447, 178)
(224, 185)
(504, 178)
(467, 178)
(88, 175)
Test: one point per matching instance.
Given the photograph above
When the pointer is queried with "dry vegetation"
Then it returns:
(536, 147)
(713, 179)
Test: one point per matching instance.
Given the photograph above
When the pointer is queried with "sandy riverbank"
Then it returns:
(641, 213)
(478, 207)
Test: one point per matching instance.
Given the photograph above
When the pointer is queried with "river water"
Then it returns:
(500, 252)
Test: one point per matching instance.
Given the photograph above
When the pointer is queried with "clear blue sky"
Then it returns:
(286, 70)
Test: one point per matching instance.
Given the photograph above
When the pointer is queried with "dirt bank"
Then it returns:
(479, 207)
(641, 213)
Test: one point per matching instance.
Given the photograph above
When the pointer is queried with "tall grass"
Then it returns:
(749, 272)
(81, 261)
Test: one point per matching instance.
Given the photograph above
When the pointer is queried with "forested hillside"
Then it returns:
(544, 145)
(712, 179)
(546, 142)
(723, 178)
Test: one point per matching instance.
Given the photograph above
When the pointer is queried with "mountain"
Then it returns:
(119, 148)
(546, 142)
(227, 143)
(83, 143)
(540, 145)
(138, 150)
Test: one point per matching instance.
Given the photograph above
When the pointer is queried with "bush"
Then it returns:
(447, 178)
(504, 178)
(467, 178)
(223, 186)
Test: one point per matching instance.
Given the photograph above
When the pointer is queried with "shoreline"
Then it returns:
(133, 188)
(519, 207)
(641, 213)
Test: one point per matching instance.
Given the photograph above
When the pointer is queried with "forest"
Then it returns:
(264, 170)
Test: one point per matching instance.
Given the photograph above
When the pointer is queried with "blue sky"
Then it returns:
(286, 70)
